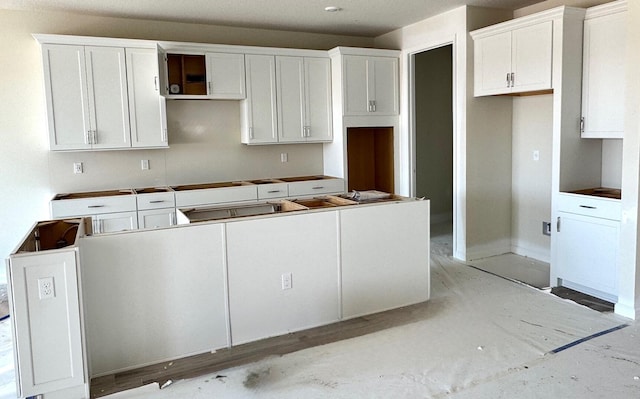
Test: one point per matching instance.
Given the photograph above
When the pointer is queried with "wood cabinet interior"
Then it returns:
(188, 72)
(51, 235)
(370, 158)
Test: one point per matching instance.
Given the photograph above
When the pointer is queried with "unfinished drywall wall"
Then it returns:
(532, 137)
(204, 137)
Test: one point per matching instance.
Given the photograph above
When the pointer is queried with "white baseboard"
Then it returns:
(536, 253)
(627, 310)
(494, 248)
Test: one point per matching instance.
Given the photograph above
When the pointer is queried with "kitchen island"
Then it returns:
(150, 296)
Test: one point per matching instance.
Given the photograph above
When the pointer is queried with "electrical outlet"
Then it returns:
(46, 288)
(287, 282)
(536, 155)
(144, 164)
(546, 228)
(77, 168)
(284, 157)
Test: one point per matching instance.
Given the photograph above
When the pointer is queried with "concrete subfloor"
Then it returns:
(482, 337)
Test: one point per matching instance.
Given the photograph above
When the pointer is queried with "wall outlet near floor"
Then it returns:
(287, 282)
(546, 228)
(77, 168)
(284, 157)
(144, 164)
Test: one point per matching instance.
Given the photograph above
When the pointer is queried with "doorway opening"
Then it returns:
(370, 159)
(434, 134)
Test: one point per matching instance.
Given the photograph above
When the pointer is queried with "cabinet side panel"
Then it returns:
(49, 342)
(385, 257)
(162, 290)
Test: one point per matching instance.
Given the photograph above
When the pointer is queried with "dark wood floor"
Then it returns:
(583, 299)
(209, 363)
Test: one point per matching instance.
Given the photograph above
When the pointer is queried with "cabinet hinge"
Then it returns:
(582, 124)
(558, 225)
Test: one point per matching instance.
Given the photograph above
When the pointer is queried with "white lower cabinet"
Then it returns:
(155, 218)
(262, 254)
(113, 222)
(46, 317)
(385, 257)
(587, 245)
(587, 254)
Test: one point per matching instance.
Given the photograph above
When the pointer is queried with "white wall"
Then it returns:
(204, 136)
(482, 152)
(531, 179)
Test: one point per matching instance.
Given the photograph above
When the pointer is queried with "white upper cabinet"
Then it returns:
(225, 76)
(513, 61)
(101, 94)
(603, 74)
(370, 85)
(304, 99)
(147, 111)
(202, 75)
(259, 120)
(87, 102)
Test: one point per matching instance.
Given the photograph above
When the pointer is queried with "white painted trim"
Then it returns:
(589, 291)
(408, 135)
(606, 9)
(364, 51)
(93, 41)
(627, 310)
(533, 19)
(497, 247)
(537, 254)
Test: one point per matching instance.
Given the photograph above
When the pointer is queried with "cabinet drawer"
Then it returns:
(92, 206)
(156, 201)
(274, 190)
(210, 196)
(589, 206)
(316, 187)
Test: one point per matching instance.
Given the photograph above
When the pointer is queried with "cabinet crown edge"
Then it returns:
(543, 16)
(375, 52)
(606, 9)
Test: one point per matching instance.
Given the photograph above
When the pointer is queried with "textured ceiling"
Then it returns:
(368, 18)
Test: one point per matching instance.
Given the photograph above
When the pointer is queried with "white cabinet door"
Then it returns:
(382, 77)
(147, 112)
(65, 79)
(492, 64)
(49, 350)
(385, 257)
(225, 76)
(531, 57)
(603, 76)
(291, 99)
(155, 218)
(263, 252)
(318, 110)
(515, 61)
(370, 85)
(304, 99)
(587, 254)
(107, 94)
(113, 222)
(259, 121)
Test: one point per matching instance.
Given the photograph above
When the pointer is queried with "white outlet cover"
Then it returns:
(46, 288)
